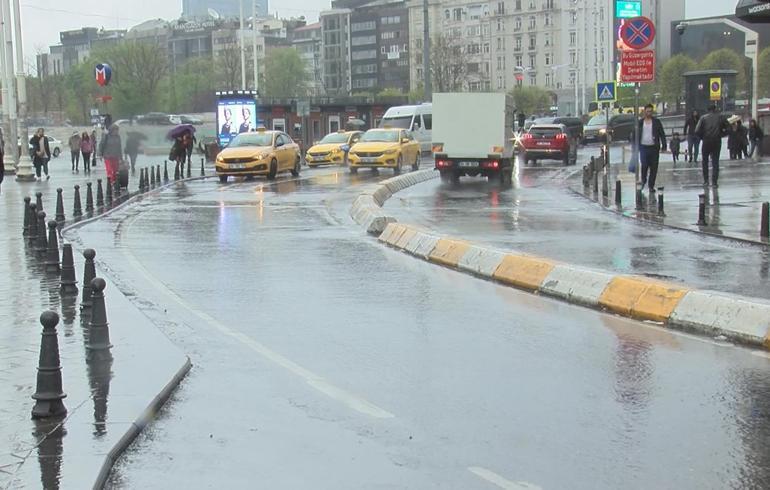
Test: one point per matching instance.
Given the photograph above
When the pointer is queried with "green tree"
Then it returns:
(727, 59)
(138, 69)
(80, 86)
(531, 100)
(228, 67)
(763, 70)
(390, 92)
(285, 74)
(671, 77)
(448, 64)
(193, 87)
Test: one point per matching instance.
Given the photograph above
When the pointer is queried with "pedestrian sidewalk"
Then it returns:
(733, 209)
(107, 400)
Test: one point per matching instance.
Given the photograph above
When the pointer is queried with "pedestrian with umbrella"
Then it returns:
(182, 136)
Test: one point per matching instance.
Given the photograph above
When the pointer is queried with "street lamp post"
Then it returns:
(254, 40)
(10, 102)
(5, 93)
(24, 170)
(749, 50)
(243, 49)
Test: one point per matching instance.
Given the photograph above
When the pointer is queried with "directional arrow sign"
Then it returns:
(637, 33)
(606, 92)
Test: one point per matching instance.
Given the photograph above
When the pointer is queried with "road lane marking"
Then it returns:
(501, 482)
(316, 381)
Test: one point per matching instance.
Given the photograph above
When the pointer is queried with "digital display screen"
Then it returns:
(234, 116)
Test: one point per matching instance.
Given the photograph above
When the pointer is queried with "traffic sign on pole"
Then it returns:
(637, 33)
(606, 92)
(715, 88)
(628, 9)
(637, 66)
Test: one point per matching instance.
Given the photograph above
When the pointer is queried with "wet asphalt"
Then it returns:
(540, 215)
(325, 360)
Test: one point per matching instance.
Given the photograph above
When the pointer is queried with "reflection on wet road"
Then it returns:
(294, 318)
(542, 218)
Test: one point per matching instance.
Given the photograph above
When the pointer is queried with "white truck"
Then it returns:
(473, 135)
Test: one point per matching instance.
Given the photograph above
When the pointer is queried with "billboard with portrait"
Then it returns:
(235, 115)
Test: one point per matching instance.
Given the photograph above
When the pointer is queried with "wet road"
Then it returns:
(540, 216)
(325, 360)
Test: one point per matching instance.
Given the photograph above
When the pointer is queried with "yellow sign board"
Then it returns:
(715, 89)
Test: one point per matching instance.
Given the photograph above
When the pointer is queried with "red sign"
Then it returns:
(637, 33)
(637, 66)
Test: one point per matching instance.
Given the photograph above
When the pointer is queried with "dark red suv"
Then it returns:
(549, 142)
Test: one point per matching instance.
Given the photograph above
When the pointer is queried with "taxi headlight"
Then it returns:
(603, 131)
(262, 156)
(391, 151)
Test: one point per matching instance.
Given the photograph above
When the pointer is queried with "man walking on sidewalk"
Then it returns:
(651, 142)
(692, 139)
(711, 129)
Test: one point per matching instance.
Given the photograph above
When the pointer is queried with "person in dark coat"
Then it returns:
(675, 147)
(711, 129)
(755, 138)
(94, 142)
(743, 141)
(652, 140)
(693, 142)
(132, 149)
(522, 120)
(41, 153)
(734, 141)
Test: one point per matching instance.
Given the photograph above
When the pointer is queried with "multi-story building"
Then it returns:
(75, 47)
(335, 51)
(307, 41)
(207, 9)
(564, 46)
(367, 43)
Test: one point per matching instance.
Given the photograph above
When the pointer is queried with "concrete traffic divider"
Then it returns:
(576, 285)
(523, 271)
(449, 252)
(641, 298)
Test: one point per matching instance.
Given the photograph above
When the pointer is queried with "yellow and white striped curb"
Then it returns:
(746, 320)
(367, 208)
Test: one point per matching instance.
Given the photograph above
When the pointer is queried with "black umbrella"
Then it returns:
(180, 130)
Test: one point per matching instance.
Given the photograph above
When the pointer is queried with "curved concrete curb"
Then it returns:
(138, 425)
(367, 208)
(744, 320)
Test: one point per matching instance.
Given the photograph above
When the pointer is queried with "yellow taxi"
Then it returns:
(332, 148)
(385, 148)
(259, 152)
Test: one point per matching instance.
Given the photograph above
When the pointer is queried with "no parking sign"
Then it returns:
(715, 89)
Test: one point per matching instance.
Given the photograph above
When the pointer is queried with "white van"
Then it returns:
(417, 118)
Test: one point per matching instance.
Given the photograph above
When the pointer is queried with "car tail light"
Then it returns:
(527, 136)
(438, 147)
(561, 136)
(491, 164)
(443, 163)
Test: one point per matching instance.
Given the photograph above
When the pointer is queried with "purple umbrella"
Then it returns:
(180, 130)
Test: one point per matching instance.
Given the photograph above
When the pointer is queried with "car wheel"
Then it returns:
(416, 165)
(353, 170)
(565, 158)
(273, 170)
(399, 164)
(446, 176)
(56, 152)
(295, 170)
(534, 162)
(223, 179)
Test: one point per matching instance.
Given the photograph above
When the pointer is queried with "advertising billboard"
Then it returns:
(235, 115)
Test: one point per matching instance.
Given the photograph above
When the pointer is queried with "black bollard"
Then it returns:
(203, 170)
(141, 179)
(109, 194)
(189, 169)
(592, 165)
(98, 345)
(39, 201)
(702, 210)
(60, 205)
(89, 273)
(116, 190)
(99, 193)
(157, 174)
(52, 256)
(152, 178)
(32, 236)
(618, 195)
(596, 183)
(77, 211)
(639, 197)
(25, 230)
(176, 171)
(68, 280)
(661, 211)
(89, 198)
(605, 185)
(764, 226)
(42, 240)
(586, 179)
(165, 170)
(49, 393)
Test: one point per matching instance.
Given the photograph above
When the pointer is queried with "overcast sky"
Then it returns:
(43, 19)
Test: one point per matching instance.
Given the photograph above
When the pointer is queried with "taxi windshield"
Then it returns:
(252, 139)
(403, 122)
(380, 136)
(597, 121)
(334, 138)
